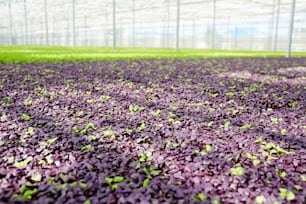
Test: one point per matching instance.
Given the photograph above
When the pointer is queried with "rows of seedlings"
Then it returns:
(154, 131)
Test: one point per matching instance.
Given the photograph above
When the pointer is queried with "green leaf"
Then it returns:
(141, 127)
(28, 102)
(268, 146)
(173, 121)
(83, 185)
(92, 138)
(202, 153)
(64, 177)
(146, 182)
(210, 124)
(158, 112)
(230, 94)
(246, 126)
(135, 108)
(105, 97)
(260, 199)
(274, 120)
(251, 156)
(87, 201)
(214, 95)
(290, 196)
(28, 193)
(90, 126)
(25, 117)
(227, 124)
(86, 148)
(171, 115)
(256, 162)
(74, 184)
(51, 179)
(109, 181)
(208, 148)
(237, 171)
(284, 131)
(52, 140)
(16, 196)
(298, 187)
(76, 129)
(109, 133)
(118, 179)
(22, 163)
(128, 130)
(280, 150)
(292, 104)
(303, 178)
(90, 101)
(201, 196)
(52, 95)
(215, 201)
(114, 186)
(259, 140)
(282, 174)
(143, 158)
(30, 131)
(49, 159)
(286, 194)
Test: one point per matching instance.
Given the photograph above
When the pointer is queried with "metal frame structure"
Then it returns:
(210, 24)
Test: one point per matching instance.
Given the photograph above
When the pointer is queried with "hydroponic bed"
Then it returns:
(154, 131)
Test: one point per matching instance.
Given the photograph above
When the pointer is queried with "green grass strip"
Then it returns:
(28, 54)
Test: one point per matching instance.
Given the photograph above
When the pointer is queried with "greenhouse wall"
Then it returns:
(203, 24)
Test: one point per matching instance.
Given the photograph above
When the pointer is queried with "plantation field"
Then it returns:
(26, 54)
(153, 131)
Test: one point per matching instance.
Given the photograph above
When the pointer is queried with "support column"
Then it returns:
(26, 22)
(276, 24)
(168, 24)
(46, 24)
(114, 24)
(73, 23)
(133, 37)
(107, 30)
(213, 26)
(177, 25)
(11, 24)
(291, 28)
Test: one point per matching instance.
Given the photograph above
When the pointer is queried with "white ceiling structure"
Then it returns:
(212, 24)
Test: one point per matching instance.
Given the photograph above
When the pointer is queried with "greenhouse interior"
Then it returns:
(208, 24)
(149, 102)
